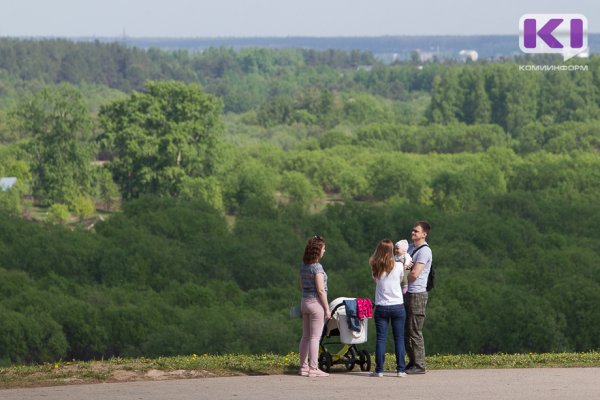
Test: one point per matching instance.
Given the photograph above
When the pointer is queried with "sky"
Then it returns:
(279, 18)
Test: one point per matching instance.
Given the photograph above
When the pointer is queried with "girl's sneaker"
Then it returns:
(303, 371)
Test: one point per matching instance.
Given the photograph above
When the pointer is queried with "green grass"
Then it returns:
(529, 360)
(195, 366)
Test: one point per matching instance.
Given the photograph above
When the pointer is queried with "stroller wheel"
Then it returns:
(364, 360)
(325, 361)
(349, 364)
(350, 358)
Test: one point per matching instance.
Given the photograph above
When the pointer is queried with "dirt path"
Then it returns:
(509, 384)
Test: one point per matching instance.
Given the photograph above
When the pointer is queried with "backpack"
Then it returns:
(431, 279)
(431, 276)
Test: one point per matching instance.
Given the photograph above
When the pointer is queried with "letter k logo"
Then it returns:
(545, 33)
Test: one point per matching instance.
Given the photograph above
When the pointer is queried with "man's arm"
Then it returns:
(416, 271)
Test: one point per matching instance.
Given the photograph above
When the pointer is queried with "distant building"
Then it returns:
(7, 183)
(468, 55)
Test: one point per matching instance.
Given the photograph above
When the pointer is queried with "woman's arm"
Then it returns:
(322, 294)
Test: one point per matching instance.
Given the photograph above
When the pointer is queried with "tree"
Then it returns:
(162, 136)
(277, 110)
(107, 189)
(300, 190)
(446, 98)
(522, 96)
(83, 207)
(361, 108)
(58, 214)
(466, 188)
(10, 199)
(60, 151)
(251, 182)
(565, 98)
(476, 104)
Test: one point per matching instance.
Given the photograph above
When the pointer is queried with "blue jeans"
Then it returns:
(383, 316)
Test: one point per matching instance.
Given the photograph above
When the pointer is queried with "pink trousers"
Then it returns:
(313, 321)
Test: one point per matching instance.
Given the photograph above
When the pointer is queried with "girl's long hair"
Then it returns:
(382, 259)
(312, 251)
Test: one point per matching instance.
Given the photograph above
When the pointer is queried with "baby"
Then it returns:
(401, 255)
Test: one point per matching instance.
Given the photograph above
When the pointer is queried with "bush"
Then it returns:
(58, 214)
(83, 207)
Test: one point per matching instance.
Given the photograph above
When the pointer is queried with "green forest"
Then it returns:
(163, 198)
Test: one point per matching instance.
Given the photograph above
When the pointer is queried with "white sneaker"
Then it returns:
(377, 374)
(316, 373)
(401, 374)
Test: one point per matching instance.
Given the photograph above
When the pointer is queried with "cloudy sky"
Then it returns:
(246, 18)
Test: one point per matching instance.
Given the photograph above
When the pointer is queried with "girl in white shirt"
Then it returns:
(389, 305)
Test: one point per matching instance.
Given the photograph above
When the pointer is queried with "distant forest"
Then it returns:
(383, 47)
(163, 198)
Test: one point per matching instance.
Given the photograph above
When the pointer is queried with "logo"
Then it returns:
(564, 34)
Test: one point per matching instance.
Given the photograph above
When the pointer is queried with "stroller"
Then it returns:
(348, 354)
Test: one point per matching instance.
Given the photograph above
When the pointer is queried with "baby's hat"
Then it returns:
(402, 244)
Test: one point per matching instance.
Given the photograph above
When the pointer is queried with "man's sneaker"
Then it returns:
(401, 374)
(377, 374)
(415, 371)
